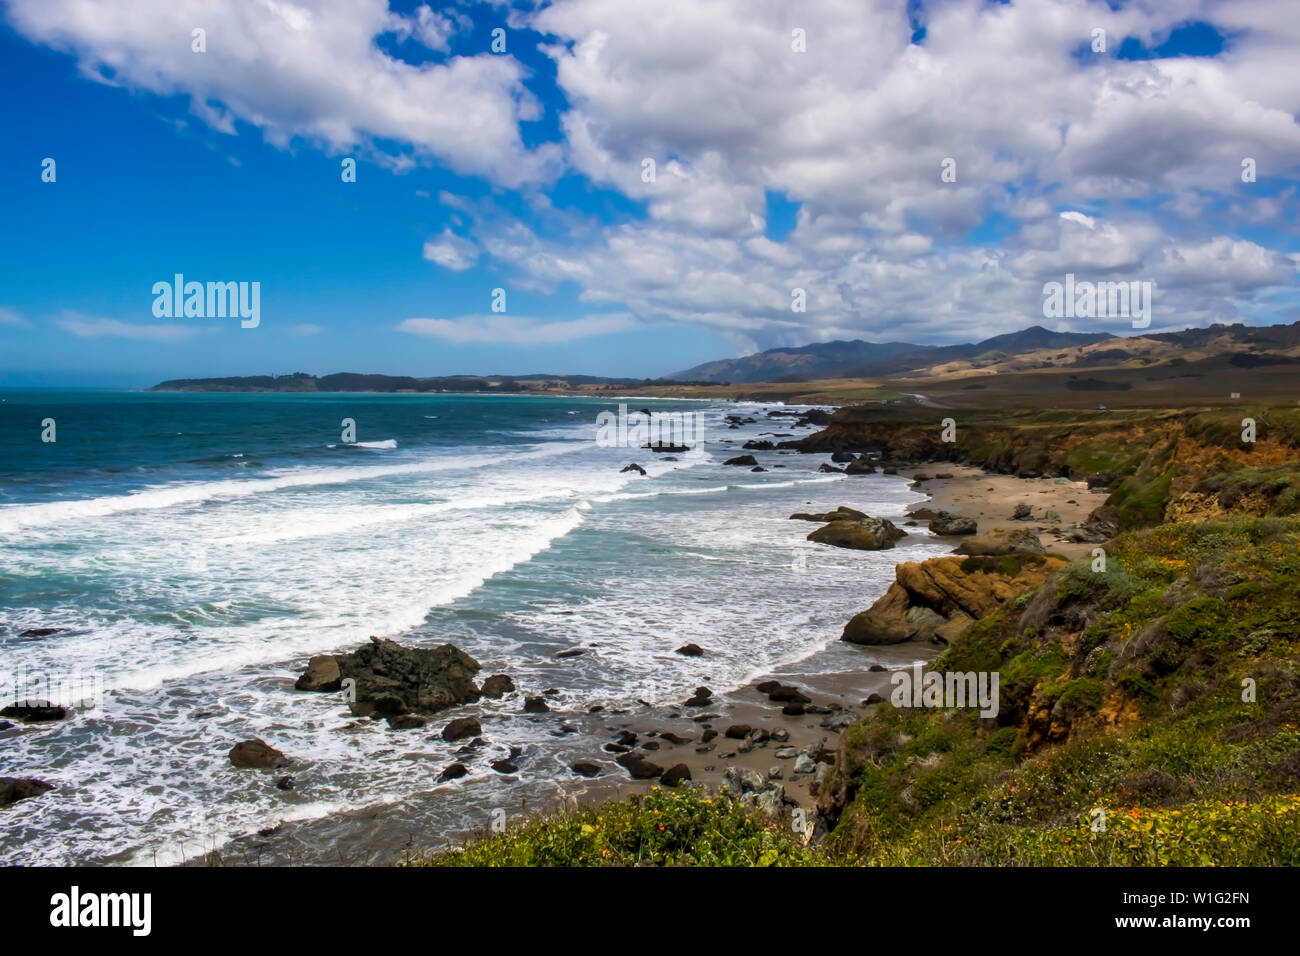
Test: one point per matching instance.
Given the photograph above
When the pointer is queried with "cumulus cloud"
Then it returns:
(517, 331)
(309, 69)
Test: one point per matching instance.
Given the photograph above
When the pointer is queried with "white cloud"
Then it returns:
(451, 252)
(88, 327)
(305, 329)
(308, 69)
(516, 331)
(10, 317)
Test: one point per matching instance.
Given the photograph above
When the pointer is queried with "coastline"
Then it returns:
(838, 678)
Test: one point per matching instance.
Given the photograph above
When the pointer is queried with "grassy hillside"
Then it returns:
(1122, 692)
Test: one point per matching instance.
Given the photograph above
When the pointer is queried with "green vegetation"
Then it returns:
(1122, 695)
(682, 827)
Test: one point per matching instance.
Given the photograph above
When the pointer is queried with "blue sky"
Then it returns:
(523, 170)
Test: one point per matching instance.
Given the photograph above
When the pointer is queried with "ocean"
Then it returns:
(191, 551)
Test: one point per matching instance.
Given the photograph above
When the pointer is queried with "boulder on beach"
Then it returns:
(1001, 541)
(860, 466)
(675, 775)
(947, 523)
(256, 753)
(863, 534)
(13, 789)
(939, 598)
(390, 679)
(638, 767)
(826, 469)
(584, 768)
(1022, 513)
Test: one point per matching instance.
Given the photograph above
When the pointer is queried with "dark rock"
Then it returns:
(13, 789)
(945, 522)
(617, 748)
(584, 768)
(638, 767)
(842, 456)
(256, 753)
(497, 686)
(650, 745)
(741, 460)
(739, 731)
(760, 445)
(672, 738)
(830, 469)
(707, 736)
(39, 632)
(676, 774)
(873, 698)
(505, 765)
(393, 679)
(702, 697)
(634, 467)
(322, 674)
(460, 728)
(793, 709)
(757, 468)
(627, 738)
(406, 721)
(860, 467)
(535, 705)
(453, 772)
(839, 514)
(572, 652)
(784, 692)
(690, 650)
(38, 712)
(284, 783)
(1022, 513)
(866, 534)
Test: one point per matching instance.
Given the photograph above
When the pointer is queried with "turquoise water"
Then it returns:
(194, 550)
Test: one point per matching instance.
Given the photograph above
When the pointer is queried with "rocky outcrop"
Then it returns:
(939, 598)
(389, 679)
(633, 467)
(13, 789)
(1002, 541)
(863, 534)
(749, 460)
